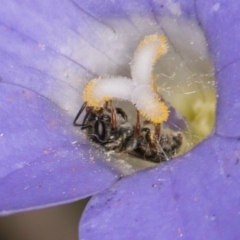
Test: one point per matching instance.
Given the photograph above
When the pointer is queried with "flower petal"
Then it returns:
(220, 21)
(53, 52)
(198, 189)
(43, 161)
(173, 200)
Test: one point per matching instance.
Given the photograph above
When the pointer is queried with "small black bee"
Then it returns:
(109, 127)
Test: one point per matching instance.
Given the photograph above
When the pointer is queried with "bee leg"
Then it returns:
(113, 117)
(78, 115)
(86, 118)
(137, 130)
(106, 105)
(157, 132)
(118, 110)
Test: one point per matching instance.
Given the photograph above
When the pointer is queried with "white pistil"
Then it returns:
(140, 89)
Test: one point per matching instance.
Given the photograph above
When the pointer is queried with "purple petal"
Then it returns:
(51, 54)
(221, 23)
(43, 161)
(175, 120)
(195, 196)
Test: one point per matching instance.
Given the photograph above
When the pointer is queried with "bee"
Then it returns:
(109, 128)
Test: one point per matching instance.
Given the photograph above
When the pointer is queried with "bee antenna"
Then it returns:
(78, 114)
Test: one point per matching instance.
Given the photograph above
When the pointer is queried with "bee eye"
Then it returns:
(100, 130)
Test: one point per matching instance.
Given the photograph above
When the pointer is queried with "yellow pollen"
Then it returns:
(157, 112)
(89, 95)
(161, 49)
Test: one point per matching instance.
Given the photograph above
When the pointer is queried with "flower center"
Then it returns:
(163, 110)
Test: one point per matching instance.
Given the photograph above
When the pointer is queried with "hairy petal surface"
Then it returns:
(42, 161)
